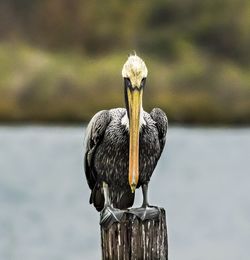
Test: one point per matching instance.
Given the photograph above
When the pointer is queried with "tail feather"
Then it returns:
(119, 199)
(97, 198)
(126, 200)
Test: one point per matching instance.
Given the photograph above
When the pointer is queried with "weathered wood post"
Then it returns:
(132, 238)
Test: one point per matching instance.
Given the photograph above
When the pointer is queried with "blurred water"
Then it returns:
(202, 179)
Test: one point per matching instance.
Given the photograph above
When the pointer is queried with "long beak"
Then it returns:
(134, 102)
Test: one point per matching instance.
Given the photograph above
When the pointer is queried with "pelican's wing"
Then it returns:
(161, 121)
(94, 134)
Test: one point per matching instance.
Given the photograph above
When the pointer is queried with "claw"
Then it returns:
(110, 215)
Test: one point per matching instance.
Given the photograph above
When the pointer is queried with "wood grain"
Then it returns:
(134, 239)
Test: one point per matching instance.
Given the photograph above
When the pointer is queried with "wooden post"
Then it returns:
(133, 239)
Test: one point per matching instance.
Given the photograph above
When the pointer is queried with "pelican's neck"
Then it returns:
(125, 120)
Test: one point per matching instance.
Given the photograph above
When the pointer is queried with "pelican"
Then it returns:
(122, 148)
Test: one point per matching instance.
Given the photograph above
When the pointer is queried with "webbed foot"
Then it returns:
(110, 215)
(146, 212)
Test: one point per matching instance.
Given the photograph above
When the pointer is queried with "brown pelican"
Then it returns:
(122, 147)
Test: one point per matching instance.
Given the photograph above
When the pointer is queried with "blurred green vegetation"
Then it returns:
(61, 60)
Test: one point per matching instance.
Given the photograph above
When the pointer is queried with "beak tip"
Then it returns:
(133, 187)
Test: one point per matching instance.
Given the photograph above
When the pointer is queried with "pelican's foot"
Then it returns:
(110, 215)
(146, 212)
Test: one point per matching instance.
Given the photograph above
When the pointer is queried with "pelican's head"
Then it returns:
(134, 73)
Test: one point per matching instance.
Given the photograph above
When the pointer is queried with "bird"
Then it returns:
(122, 148)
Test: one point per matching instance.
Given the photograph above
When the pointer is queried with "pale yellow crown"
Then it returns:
(134, 69)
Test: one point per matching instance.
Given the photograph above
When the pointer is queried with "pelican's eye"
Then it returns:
(143, 82)
(127, 83)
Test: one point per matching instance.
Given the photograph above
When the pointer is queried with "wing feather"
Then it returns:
(161, 121)
(94, 134)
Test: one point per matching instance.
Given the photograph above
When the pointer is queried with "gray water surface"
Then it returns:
(202, 179)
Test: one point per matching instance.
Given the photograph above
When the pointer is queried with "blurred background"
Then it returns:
(61, 61)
